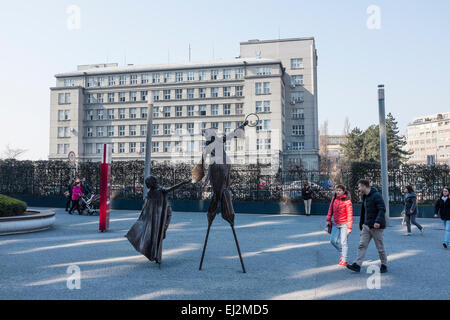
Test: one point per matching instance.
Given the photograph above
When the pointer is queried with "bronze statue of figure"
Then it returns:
(219, 171)
(148, 232)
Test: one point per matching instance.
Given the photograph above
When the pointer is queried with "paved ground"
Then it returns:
(286, 257)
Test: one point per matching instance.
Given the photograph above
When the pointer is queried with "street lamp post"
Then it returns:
(148, 140)
(383, 150)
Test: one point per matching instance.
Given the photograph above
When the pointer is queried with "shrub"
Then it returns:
(11, 207)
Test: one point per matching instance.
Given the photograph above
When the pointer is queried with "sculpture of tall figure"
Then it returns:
(148, 232)
(219, 174)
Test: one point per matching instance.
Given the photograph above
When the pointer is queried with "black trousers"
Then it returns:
(68, 203)
(75, 205)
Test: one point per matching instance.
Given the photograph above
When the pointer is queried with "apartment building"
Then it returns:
(108, 103)
(428, 137)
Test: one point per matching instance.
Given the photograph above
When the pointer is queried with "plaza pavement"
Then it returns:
(286, 257)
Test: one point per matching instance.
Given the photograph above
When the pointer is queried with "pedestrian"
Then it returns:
(68, 194)
(442, 207)
(76, 193)
(410, 209)
(372, 224)
(340, 219)
(85, 187)
(307, 195)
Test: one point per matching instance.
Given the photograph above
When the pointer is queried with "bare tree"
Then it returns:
(13, 153)
(323, 147)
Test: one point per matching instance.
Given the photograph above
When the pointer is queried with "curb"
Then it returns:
(27, 223)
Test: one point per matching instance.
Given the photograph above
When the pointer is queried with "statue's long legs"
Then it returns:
(239, 250)
(204, 246)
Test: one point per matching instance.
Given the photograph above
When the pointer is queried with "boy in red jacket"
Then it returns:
(341, 212)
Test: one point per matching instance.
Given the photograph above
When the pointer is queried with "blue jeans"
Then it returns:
(338, 239)
(447, 231)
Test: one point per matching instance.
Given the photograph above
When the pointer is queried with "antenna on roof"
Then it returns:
(168, 56)
(189, 52)
(213, 50)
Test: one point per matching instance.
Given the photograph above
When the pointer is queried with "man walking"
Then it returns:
(372, 224)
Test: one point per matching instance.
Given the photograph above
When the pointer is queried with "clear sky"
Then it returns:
(409, 53)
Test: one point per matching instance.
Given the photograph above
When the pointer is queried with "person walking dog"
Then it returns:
(442, 207)
(410, 203)
(340, 221)
(372, 224)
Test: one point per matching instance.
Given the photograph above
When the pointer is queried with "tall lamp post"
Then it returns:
(383, 150)
(148, 141)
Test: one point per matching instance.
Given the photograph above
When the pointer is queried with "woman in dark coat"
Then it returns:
(442, 208)
(410, 203)
(307, 195)
(147, 234)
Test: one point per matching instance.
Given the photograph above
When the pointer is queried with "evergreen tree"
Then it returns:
(365, 146)
(395, 143)
(354, 145)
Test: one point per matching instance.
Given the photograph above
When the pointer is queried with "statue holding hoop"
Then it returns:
(219, 175)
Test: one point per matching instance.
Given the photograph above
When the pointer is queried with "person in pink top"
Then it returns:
(76, 193)
(340, 221)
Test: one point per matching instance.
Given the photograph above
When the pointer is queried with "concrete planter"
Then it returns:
(31, 221)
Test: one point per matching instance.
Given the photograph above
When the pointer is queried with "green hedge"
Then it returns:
(11, 207)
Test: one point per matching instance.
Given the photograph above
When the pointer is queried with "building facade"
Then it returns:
(106, 103)
(428, 137)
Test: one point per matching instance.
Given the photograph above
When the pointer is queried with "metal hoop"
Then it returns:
(250, 123)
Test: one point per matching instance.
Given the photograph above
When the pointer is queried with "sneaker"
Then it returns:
(342, 263)
(422, 231)
(354, 267)
(445, 245)
(383, 268)
(70, 212)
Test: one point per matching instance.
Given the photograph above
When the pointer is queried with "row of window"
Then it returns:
(170, 111)
(296, 146)
(179, 94)
(180, 76)
(170, 146)
(175, 146)
(428, 133)
(162, 129)
(165, 77)
(180, 111)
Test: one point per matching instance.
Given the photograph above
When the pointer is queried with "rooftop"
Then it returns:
(430, 118)
(109, 68)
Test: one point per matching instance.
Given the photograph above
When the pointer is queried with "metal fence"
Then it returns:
(427, 181)
(255, 182)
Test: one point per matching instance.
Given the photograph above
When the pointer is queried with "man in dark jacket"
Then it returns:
(86, 187)
(372, 224)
